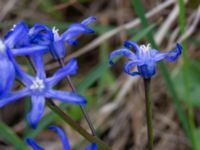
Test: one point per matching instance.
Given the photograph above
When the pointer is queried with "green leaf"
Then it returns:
(194, 79)
(93, 76)
(10, 137)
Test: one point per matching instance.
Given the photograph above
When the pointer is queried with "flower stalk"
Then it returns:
(148, 113)
(93, 139)
(85, 114)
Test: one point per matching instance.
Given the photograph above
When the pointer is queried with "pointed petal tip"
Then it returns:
(53, 127)
(32, 123)
(130, 44)
(92, 18)
(89, 20)
(111, 62)
(127, 44)
(31, 142)
(179, 47)
(72, 42)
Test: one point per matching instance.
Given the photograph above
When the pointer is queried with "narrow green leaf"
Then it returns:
(186, 75)
(10, 137)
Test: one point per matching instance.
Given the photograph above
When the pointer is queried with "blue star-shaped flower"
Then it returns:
(41, 87)
(144, 58)
(15, 38)
(63, 137)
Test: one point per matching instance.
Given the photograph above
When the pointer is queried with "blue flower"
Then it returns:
(41, 87)
(69, 36)
(7, 69)
(25, 41)
(41, 39)
(17, 36)
(144, 58)
(63, 138)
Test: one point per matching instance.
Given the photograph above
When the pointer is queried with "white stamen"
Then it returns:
(145, 48)
(38, 84)
(55, 32)
(12, 29)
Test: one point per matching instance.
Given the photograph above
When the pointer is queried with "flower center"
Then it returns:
(38, 84)
(145, 48)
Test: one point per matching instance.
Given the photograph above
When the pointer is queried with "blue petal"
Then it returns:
(66, 97)
(33, 144)
(7, 74)
(22, 76)
(13, 96)
(69, 69)
(39, 65)
(73, 42)
(18, 36)
(124, 52)
(156, 55)
(93, 146)
(88, 20)
(129, 66)
(147, 70)
(38, 107)
(58, 49)
(62, 135)
(75, 30)
(30, 50)
(40, 35)
(174, 54)
(131, 44)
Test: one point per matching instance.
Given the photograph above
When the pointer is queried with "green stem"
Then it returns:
(85, 114)
(75, 126)
(148, 113)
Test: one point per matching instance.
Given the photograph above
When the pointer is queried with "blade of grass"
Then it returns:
(180, 111)
(182, 23)
(10, 137)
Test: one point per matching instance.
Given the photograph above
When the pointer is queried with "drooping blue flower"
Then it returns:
(63, 138)
(25, 41)
(41, 87)
(58, 49)
(41, 39)
(17, 36)
(144, 58)
(7, 69)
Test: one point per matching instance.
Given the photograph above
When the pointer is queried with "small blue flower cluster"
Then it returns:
(144, 58)
(63, 138)
(35, 42)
